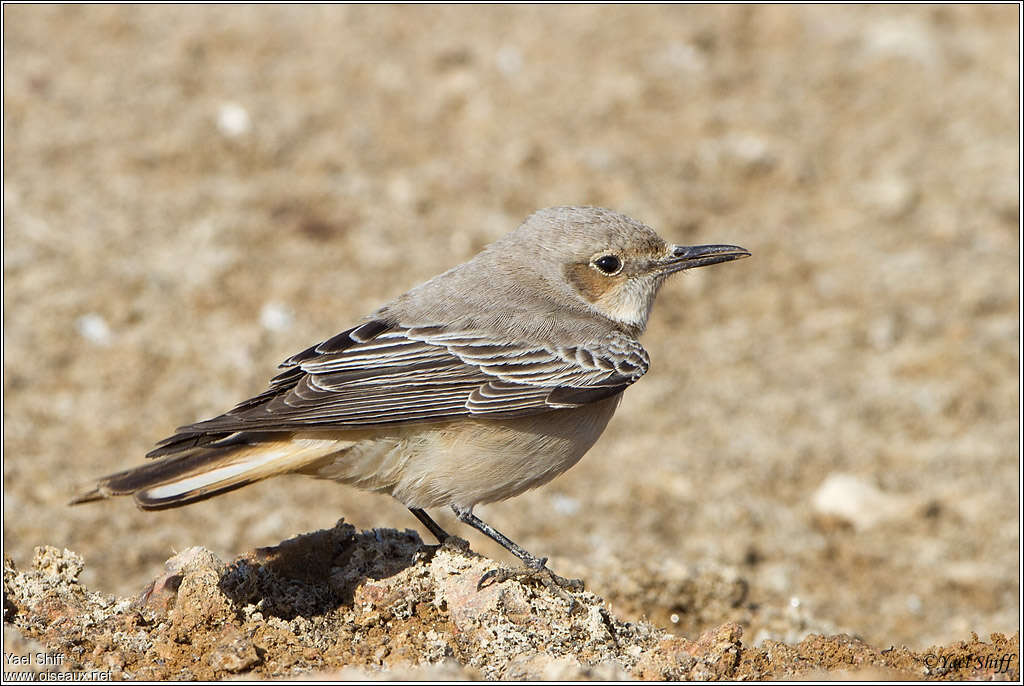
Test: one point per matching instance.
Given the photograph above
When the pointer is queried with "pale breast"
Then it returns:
(464, 462)
(481, 461)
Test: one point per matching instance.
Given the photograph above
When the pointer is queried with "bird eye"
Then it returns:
(609, 264)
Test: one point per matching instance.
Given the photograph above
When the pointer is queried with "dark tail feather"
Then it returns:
(183, 441)
(209, 470)
(170, 470)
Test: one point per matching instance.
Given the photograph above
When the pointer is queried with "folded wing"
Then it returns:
(379, 374)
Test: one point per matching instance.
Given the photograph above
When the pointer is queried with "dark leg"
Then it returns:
(537, 565)
(439, 533)
(466, 515)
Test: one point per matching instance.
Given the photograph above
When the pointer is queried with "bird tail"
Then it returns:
(204, 471)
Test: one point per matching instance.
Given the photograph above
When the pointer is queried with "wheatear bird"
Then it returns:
(486, 381)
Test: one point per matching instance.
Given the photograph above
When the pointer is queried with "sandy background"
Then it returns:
(193, 194)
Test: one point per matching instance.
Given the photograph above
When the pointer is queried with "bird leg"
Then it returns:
(537, 569)
(440, 534)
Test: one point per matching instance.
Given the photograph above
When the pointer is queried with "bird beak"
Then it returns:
(689, 256)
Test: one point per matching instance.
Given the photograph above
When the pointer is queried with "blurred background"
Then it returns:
(828, 437)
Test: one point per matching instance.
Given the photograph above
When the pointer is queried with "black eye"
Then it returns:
(609, 264)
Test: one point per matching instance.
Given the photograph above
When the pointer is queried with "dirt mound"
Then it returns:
(342, 604)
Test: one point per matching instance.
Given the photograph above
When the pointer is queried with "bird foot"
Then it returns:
(541, 576)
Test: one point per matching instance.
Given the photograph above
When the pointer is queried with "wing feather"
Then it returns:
(379, 374)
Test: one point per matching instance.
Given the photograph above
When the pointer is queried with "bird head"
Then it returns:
(605, 261)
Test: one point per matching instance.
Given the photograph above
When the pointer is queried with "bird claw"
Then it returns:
(543, 576)
(496, 576)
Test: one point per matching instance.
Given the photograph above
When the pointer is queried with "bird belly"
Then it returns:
(474, 461)
(374, 463)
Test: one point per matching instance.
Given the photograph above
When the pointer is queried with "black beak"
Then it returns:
(690, 256)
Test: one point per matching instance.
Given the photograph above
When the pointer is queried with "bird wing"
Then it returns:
(379, 374)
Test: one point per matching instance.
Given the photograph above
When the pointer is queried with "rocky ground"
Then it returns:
(827, 441)
(338, 604)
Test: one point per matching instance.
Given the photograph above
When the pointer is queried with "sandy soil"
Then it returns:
(828, 438)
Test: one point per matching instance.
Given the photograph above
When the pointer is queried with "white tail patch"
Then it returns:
(212, 477)
(246, 465)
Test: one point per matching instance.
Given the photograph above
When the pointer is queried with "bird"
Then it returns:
(473, 387)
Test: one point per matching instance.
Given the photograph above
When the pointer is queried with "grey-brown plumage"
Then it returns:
(475, 386)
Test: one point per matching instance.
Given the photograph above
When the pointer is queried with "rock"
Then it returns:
(852, 499)
(343, 604)
(888, 196)
(64, 564)
(233, 120)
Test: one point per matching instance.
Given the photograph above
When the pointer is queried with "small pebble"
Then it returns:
(233, 120)
(93, 328)
(276, 317)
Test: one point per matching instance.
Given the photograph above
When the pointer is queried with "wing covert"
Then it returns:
(379, 374)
